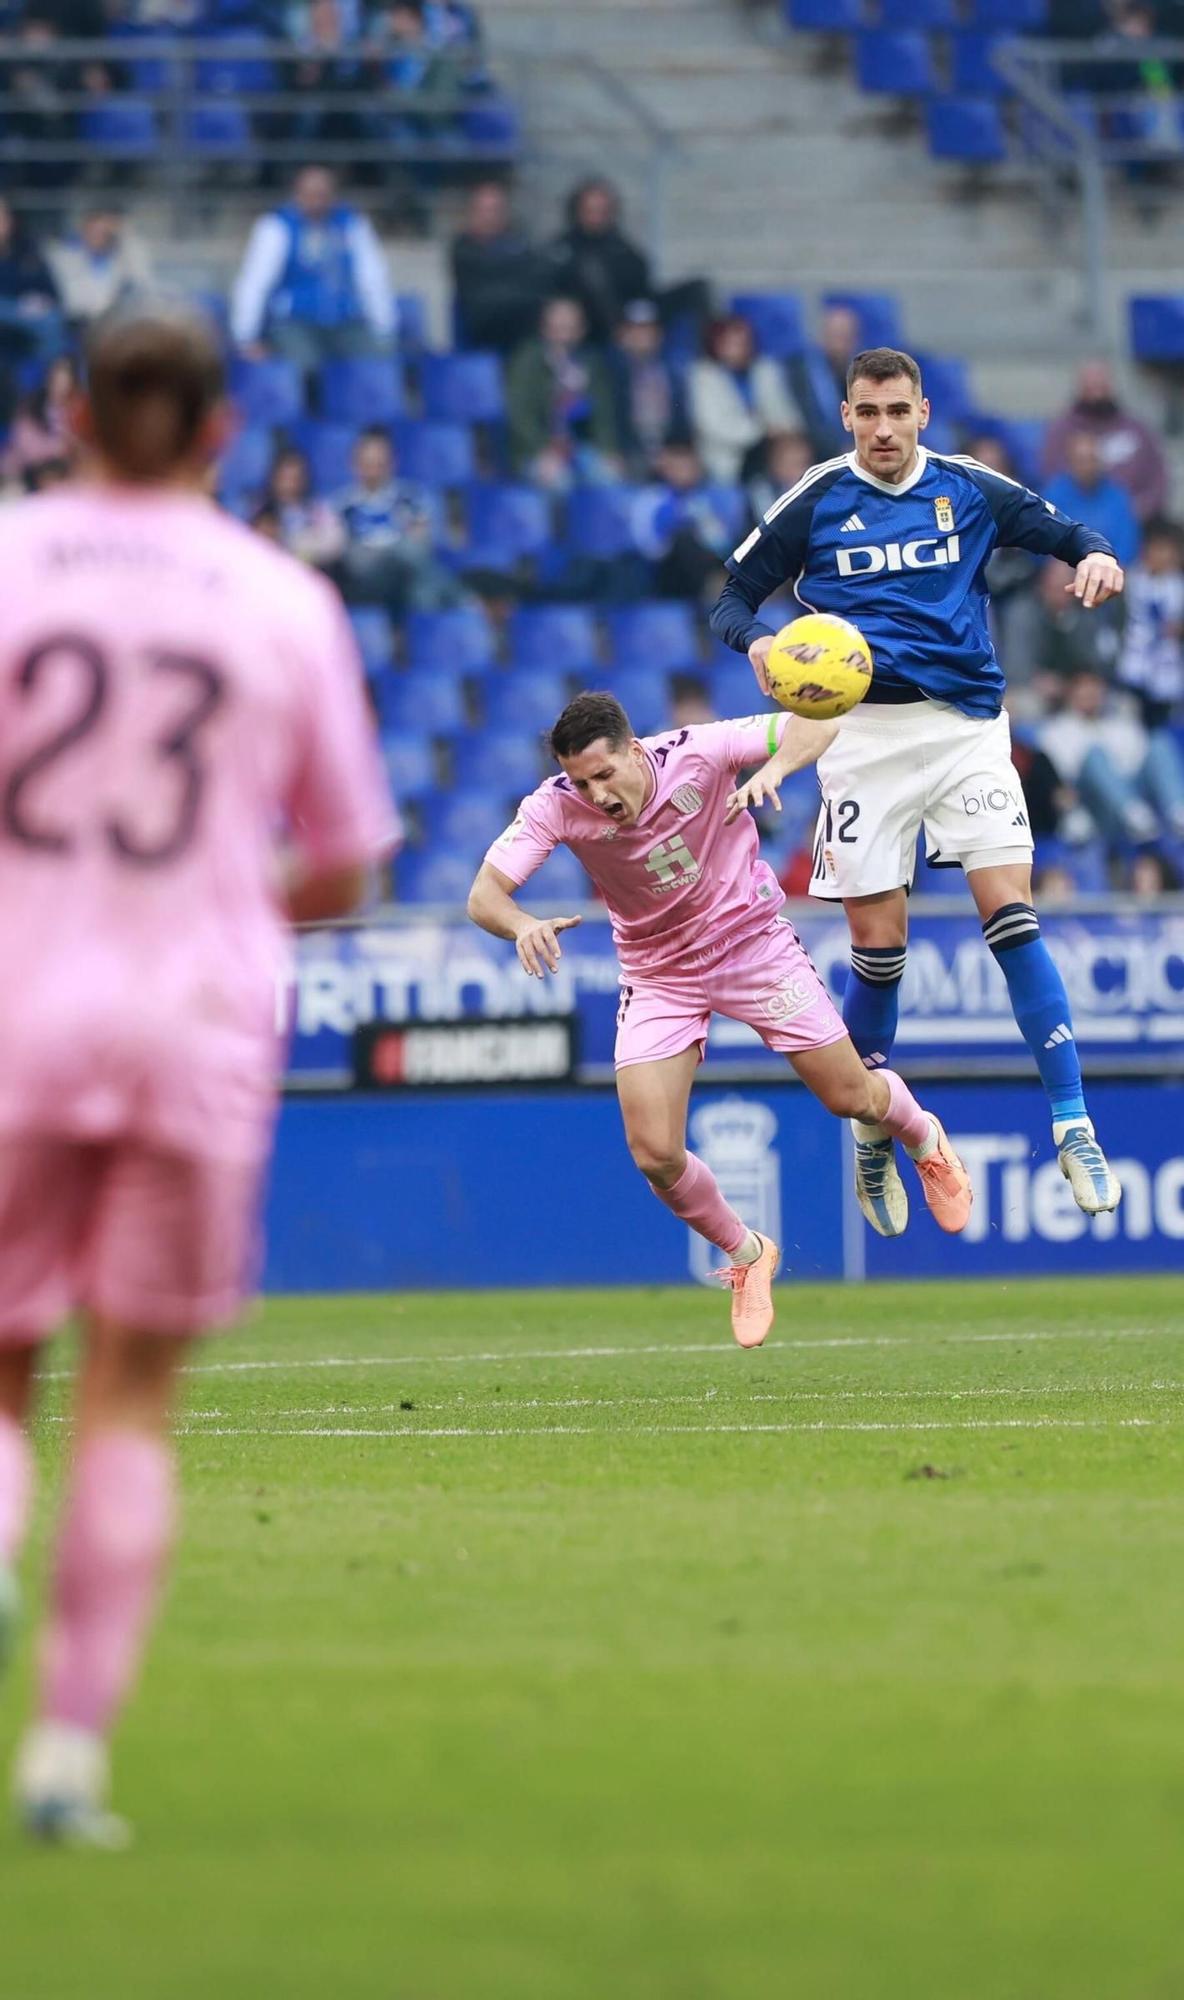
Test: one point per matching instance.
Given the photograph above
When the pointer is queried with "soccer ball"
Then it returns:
(819, 666)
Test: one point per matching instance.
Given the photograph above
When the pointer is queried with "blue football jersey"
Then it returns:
(905, 563)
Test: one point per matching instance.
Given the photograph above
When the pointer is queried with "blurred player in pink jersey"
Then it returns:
(661, 828)
(186, 767)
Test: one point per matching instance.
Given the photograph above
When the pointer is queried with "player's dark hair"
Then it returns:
(153, 379)
(882, 364)
(586, 719)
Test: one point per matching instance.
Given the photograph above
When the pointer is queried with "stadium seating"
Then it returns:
(459, 642)
(217, 128)
(424, 698)
(919, 13)
(330, 450)
(437, 454)
(363, 390)
(244, 466)
(879, 316)
(1010, 14)
(776, 320)
(1157, 328)
(644, 694)
(372, 630)
(462, 388)
(122, 127)
(267, 392)
(896, 65)
(513, 756)
(551, 635)
(600, 521)
(965, 128)
(430, 877)
(506, 523)
(411, 762)
(972, 66)
(527, 699)
(826, 16)
(654, 635)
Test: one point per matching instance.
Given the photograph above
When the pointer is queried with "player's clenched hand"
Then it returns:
(758, 653)
(760, 790)
(538, 946)
(1097, 578)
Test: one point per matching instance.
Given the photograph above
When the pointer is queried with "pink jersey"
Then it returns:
(178, 700)
(681, 887)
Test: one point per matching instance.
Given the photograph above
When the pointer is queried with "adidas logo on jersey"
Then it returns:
(927, 553)
(1063, 1033)
(853, 526)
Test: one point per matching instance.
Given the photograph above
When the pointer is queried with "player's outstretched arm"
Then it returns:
(802, 742)
(491, 905)
(1097, 578)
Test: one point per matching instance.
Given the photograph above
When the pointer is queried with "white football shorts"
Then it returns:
(895, 768)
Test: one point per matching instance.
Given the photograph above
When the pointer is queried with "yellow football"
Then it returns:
(819, 666)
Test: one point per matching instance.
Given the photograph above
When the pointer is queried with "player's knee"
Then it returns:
(851, 1097)
(661, 1164)
(1011, 925)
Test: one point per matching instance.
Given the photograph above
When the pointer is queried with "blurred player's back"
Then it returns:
(163, 676)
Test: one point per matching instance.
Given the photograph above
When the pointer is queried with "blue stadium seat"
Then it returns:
(879, 316)
(217, 128)
(776, 319)
(600, 521)
(1157, 328)
(516, 755)
(966, 128)
(1009, 13)
(525, 700)
(367, 389)
(458, 642)
(462, 388)
(467, 819)
(644, 694)
(422, 698)
(973, 71)
(244, 465)
(492, 123)
(267, 392)
(329, 449)
(895, 65)
(240, 67)
(561, 636)
(122, 127)
(372, 630)
(561, 880)
(831, 17)
(145, 69)
(1023, 438)
(733, 688)
(506, 523)
(410, 760)
(919, 14)
(437, 454)
(656, 635)
(433, 877)
(946, 381)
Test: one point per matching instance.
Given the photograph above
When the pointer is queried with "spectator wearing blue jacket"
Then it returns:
(313, 285)
(390, 527)
(1084, 493)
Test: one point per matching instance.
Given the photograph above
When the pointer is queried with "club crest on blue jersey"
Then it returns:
(943, 508)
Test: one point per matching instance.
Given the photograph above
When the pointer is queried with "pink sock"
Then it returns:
(695, 1196)
(112, 1547)
(16, 1487)
(904, 1118)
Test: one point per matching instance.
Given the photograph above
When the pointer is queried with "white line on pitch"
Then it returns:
(677, 1430)
(503, 1357)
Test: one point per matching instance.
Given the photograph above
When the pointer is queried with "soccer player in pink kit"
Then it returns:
(661, 828)
(186, 765)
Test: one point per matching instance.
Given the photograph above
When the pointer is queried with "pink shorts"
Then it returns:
(161, 1242)
(768, 981)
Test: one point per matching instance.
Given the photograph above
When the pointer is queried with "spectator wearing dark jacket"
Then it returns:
(559, 398)
(594, 262)
(497, 274)
(818, 379)
(30, 318)
(651, 408)
(1130, 453)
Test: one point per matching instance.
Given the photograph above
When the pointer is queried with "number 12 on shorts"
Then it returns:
(835, 821)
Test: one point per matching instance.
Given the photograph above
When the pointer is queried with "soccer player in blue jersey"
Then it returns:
(897, 539)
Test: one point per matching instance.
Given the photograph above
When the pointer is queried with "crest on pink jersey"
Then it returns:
(686, 799)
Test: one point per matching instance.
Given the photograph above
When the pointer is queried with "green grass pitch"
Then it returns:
(546, 1647)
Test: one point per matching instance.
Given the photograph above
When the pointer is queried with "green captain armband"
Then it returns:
(773, 740)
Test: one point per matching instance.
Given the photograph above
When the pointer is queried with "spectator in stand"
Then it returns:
(1012, 576)
(415, 60)
(594, 262)
(559, 401)
(736, 398)
(330, 65)
(313, 284)
(1130, 454)
(1067, 640)
(101, 265)
(40, 93)
(497, 274)
(1084, 493)
(650, 406)
(818, 379)
(41, 432)
(1130, 779)
(685, 527)
(29, 315)
(389, 528)
(779, 461)
(1152, 874)
(1152, 660)
(306, 526)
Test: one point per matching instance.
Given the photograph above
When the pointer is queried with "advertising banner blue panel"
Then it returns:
(519, 1188)
(1124, 971)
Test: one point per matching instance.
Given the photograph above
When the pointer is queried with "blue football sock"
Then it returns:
(1040, 1005)
(871, 1002)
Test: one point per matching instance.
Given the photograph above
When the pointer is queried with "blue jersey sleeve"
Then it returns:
(773, 554)
(1024, 521)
